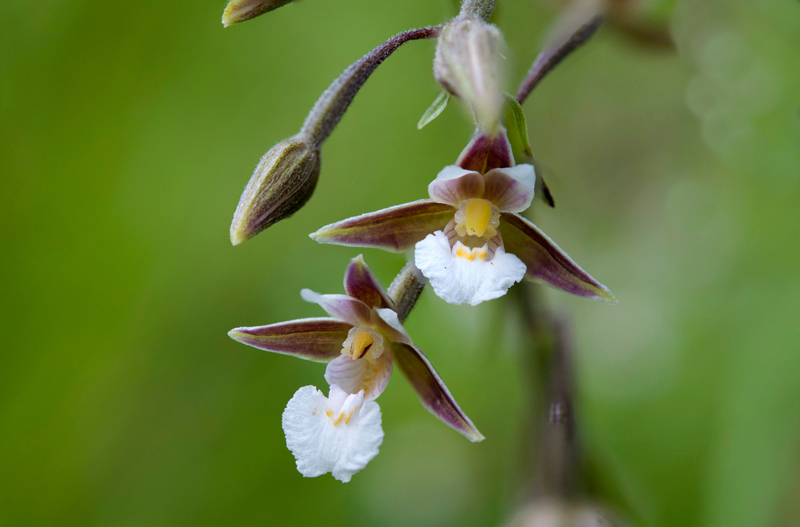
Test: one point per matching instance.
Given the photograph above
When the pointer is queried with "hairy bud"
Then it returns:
(282, 183)
(467, 64)
(241, 10)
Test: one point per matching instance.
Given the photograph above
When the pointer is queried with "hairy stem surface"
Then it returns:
(333, 103)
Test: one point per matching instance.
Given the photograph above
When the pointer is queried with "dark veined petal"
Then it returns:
(546, 262)
(432, 392)
(394, 229)
(360, 283)
(351, 310)
(317, 339)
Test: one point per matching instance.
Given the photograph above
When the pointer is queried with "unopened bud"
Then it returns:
(241, 10)
(485, 152)
(467, 64)
(282, 183)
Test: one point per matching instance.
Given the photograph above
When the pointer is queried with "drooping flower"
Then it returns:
(361, 342)
(470, 242)
(339, 434)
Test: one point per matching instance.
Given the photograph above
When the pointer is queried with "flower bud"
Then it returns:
(241, 10)
(282, 183)
(485, 152)
(467, 64)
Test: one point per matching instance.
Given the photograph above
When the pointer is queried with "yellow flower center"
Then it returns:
(363, 342)
(476, 253)
(477, 217)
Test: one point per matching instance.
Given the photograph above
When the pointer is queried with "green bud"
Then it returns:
(282, 183)
(241, 10)
(467, 64)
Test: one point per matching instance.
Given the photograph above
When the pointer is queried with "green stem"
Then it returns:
(406, 289)
(555, 456)
(482, 9)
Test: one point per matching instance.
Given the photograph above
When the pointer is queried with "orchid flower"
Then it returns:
(469, 240)
(361, 342)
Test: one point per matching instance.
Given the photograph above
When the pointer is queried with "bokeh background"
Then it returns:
(129, 130)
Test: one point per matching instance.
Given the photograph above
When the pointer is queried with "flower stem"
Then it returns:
(331, 106)
(555, 456)
(551, 57)
(482, 9)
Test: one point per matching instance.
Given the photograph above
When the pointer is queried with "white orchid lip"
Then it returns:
(339, 434)
(460, 274)
(471, 253)
(342, 406)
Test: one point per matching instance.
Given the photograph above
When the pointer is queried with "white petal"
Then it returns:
(511, 189)
(463, 281)
(454, 184)
(343, 307)
(361, 375)
(524, 173)
(338, 435)
(388, 317)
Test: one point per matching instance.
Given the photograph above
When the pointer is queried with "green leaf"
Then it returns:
(436, 108)
(518, 136)
(517, 127)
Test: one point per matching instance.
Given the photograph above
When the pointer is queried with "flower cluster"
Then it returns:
(467, 239)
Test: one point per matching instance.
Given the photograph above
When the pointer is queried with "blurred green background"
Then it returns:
(129, 130)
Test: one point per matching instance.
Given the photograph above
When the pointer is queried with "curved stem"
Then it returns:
(551, 57)
(555, 453)
(331, 106)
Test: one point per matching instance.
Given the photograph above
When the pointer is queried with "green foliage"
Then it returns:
(434, 110)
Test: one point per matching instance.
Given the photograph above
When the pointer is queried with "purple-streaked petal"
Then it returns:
(546, 262)
(484, 152)
(510, 189)
(360, 283)
(394, 229)
(353, 311)
(432, 392)
(388, 322)
(355, 375)
(454, 185)
(317, 339)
